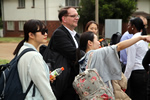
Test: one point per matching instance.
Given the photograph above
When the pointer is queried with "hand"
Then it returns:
(146, 38)
(52, 80)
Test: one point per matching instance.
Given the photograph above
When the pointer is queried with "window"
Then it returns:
(21, 24)
(21, 3)
(72, 2)
(10, 25)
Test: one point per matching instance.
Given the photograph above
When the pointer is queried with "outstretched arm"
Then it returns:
(124, 44)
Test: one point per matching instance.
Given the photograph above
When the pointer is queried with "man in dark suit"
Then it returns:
(65, 42)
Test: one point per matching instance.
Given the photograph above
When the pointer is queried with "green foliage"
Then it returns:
(13, 39)
(108, 9)
(4, 61)
(10, 39)
(87, 11)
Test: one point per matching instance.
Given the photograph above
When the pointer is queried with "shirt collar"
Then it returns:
(73, 33)
(29, 45)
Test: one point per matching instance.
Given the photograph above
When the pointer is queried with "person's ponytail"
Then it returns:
(18, 47)
(144, 31)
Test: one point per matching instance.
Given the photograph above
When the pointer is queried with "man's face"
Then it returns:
(71, 20)
(130, 28)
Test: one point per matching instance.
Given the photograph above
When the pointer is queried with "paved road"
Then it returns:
(6, 50)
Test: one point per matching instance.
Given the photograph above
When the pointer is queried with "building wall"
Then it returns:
(51, 26)
(52, 8)
(15, 14)
(12, 12)
(143, 5)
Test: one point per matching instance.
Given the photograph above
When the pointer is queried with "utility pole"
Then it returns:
(97, 13)
(45, 11)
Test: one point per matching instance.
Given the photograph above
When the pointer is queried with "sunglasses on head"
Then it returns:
(43, 31)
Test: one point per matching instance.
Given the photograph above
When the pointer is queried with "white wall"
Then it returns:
(12, 13)
(143, 5)
(53, 8)
(1, 32)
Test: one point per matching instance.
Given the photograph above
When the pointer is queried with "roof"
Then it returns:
(146, 15)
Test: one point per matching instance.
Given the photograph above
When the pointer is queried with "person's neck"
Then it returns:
(69, 27)
(87, 50)
(135, 31)
(36, 45)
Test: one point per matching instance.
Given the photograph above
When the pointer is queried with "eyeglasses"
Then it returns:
(74, 16)
(43, 31)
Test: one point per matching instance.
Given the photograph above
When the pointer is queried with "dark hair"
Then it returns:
(30, 26)
(84, 40)
(89, 23)
(83, 46)
(63, 12)
(138, 23)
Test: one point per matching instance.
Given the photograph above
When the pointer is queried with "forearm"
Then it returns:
(124, 44)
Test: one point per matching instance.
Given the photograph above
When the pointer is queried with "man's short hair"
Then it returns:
(64, 12)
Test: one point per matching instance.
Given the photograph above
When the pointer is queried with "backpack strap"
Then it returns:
(29, 87)
(23, 52)
(89, 60)
(18, 57)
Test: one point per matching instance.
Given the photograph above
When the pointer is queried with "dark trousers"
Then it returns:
(138, 85)
(69, 94)
(148, 88)
(123, 67)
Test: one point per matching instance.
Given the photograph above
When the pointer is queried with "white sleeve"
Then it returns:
(131, 54)
(40, 78)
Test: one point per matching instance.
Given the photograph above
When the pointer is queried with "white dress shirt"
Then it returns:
(73, 33)
(135, 55)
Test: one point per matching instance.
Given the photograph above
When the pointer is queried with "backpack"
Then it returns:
(115, 38)
(10, 85)
(90, 86)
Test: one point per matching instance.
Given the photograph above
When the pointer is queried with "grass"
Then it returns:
(4, 61)
(10, 39)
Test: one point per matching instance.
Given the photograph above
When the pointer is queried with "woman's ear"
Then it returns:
(134, 29)
(89, 43)
(31, 35)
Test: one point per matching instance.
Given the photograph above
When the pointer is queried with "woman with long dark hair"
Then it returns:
(105, 59)
(31, 65)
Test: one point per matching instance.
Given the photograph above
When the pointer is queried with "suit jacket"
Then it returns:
(63, 43)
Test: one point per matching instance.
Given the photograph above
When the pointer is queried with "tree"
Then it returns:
(108, 9)
(0, 10)
(1, 23)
